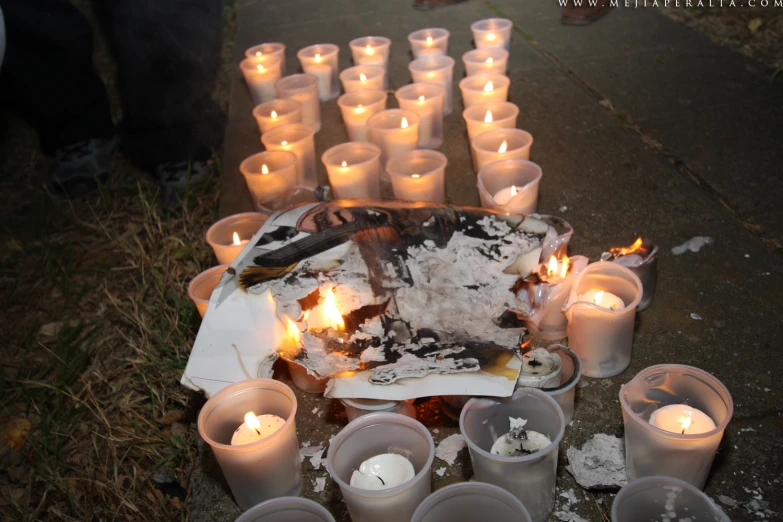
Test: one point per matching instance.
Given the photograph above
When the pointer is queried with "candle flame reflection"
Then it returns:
(404, 123)
(489, 87)
(252, 422)
(503, 147)
(236, 239)
(488, 117)
(264, 169)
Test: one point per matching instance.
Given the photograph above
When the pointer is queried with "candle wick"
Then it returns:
(382, 482)
(683, 431)
(257, 431)
(535, 363)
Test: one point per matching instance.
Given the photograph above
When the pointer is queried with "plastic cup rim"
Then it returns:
(375, 70)
(257, 46)
(467, 83)
(331, 50)
(376, 150)
(670, 480)
(434, 154)
(373, 41)
(521, 132)
(412, 117)
(405, 89)
(294, 105)
(290, 157)
(308, 133)
(446, 62)
(432, 500)
(469, 55)
(312, 82)
(485, 106)
(203, 277)
(505, 22)
(413, 37)
(382, 97)
(242, 217)
(314, 506)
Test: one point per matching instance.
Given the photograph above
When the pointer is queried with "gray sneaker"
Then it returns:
(176, 178)
(80, 168)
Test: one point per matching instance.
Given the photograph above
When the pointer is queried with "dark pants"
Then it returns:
(167, 53)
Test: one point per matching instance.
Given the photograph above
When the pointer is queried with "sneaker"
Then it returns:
(176, 178)
(80, 168)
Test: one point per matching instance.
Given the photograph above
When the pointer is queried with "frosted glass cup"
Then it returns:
(276, 113)
(492, 32)
(484, 88)
(530, 478)
(298, 138)
(438, 69)
(372, 50)
(304, 89)
(650, 450)
(426, 100)
(363, 77)
(287, 509)
(201, 287)
(419, 176)
(469, 502)
(357, 107)
(494, 179)
(261, 75)
(395, 131)
(269, 175)
(486, 148)
(646, 499)
(425, 42)
(261, 470)
(268, 49)
(220, 235)
(321, 60)
(354, 170)
(483, 117)
(375, 434)
(485, 61)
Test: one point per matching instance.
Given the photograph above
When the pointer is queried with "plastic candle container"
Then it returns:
(220, 235)
(419, 176)
(299, 139)
(437, 69)
(321, 60)
(484, 88)
(372, 50)
(530, 478)
(570, 375)
(483, 117)
(354, 170)
(363, 77)
(287, 509)
(471, 501)
(492, 32)
(357, 107)
(304, 89)
(601, 337)
(201, 287)
(650, 450)
(489, 147)
(429, 41)
(395, 131)
(495, 179)
(647, 271)
(555, 246)
(485, 61)
(261, 75)
(375, 434)
(269, 175)
(426, 100)
(355, 408)
(261, 470)
(647, 498)
(276, 113)
(268, 49)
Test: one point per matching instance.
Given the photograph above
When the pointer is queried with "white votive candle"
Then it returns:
(426, 100)
(229, 236)
(276, 113)
(540, 369)
(268, 49)
(482, 117)
(509, 186)
(395, 131)
(269, 175)
(299, 139)
(437, 69)
(384, 471)
(485, 61)
(260, 76)
(492, 32)
(603, 299)
(419, 176)
(372, 50)
(255, 428)
(425, 42)
(484, 88)
(354, 170)
(363, 77)
(682, 419)
(304, 89)
(357, 107)
(321, 60)
(500, 144)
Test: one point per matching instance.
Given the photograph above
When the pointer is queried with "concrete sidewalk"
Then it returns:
(642, 127)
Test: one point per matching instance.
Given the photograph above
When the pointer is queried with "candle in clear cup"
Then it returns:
(304, 89)
(268, 49)
(229, 236)
(201, 287)
(276, 113)
(296, 138)
(321, 60)
(372, 50)
(509, 186)
(395, 131)
(419, 176)
(426, 100)
(483, 117)
(425, 42)
(484, 88)
(437, 69)
(269, 175)
(471, 501)
(363, 77)
(485, 61)
(649, 498)
(261, 74)
(357, 107)
(354, 170)
(492, 33)
(287, 509)
(500, 144)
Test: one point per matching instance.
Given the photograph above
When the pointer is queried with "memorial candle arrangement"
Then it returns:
(261, 75)
(425, 42)
(229, 236)
(359, 106)
(484, 88)
(321, 61)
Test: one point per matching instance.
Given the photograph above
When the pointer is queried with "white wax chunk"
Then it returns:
(246, 435)
(512, 445)
(605, 300)
(504, 196)
(540, 369)
(683, 419)
(630, 260)
(383, 471)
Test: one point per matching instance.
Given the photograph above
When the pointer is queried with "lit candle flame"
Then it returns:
(490, 60)
(429, 39)
(551, 269)
(344, 164)
(331, 313)
(264, 169)
(362, 77)
(368, 49)
(317, 57)
(624, 251)
(685, 421)
(415, 176)
(283, 142)
(273, 114)
(488, 117)
(491, 36)
(252, 422)
(236, 239)
(260, 67)
(421, 98)
(564, 267)
(503, 147)
(259, 53)
(404, 123)
(598, 297)
(290, 348)
(489, 87)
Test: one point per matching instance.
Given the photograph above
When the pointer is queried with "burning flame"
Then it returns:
(362, 77)
(491, 36)
(290, 347)
(264, 169)
(252, 422)
(260, 67)
(317, 57)
(564, 267)
(429, 39)
(291, 330)
(259, 53)
(415, 176)
(283, 142)
(368, 49)
(421, 98)
(490, 60)
(685, 421)
(525, 344)
(236, 239)
(273, 114)
(489, 87)
(551, 268)
(331, 313)
(624, 251)
(344, 164)
(404, 123)
(488, 117)
(503, 147)
(598, 297)
(557, 268)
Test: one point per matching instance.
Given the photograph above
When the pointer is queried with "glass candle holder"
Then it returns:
(299, 139)
(363, 77)
(500, 144)
(376, 434)
(372, 50)
(483, 117)
(492, 32)
(484, 88)
(261, 470)
(229, 236)
(354, 170)
(485, 61)
(426, 100)
(650, 450)
(509, 185)
(530, 478)
(276, 113)
(471, 501)
(303, 380)
(201, 287)
(304, 89)
(355, 408)
(261, 75)
(602, 337)
(287, 509)
(648, 498)
(357, 107)
(268, 49)
(438, 69)
(321, 60)
(269, 175)
(555, 243)
(419, 176)
(570, 375)
(425, 42)
(395, 131)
